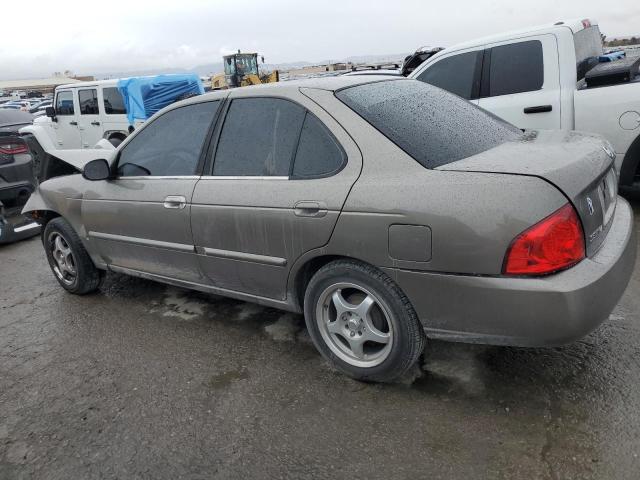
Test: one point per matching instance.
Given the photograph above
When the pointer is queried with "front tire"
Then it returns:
(69, 260)
(362, 322)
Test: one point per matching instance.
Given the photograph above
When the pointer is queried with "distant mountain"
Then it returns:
(208, 69)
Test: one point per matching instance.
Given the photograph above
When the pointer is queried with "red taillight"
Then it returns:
(552, 244)
(13, 148)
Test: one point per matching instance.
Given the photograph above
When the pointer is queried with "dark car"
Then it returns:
(17, 177)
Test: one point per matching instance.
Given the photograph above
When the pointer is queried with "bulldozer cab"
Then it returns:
(239, 67)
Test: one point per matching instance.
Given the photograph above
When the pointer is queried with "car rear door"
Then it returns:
(65, 125)
(140, 220)
(279, 175)
(89, 117)
(521, 82)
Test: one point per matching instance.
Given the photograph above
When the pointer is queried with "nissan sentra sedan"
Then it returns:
(386, 210)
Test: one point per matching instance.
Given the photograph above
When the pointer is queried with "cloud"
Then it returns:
(124, 35)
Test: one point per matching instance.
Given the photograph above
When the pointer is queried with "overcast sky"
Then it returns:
(89, 37)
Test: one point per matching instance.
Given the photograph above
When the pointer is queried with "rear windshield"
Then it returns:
(588, 44)
(435, 127)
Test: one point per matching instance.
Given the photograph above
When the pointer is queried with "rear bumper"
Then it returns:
(546, 311)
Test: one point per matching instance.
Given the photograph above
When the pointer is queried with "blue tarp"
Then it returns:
(144, 96)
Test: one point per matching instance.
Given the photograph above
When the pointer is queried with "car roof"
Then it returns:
(575, 25)
(320, 83)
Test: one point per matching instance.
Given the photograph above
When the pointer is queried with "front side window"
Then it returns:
(318, 154)
(64, 103)
(88, 100)
(259, 137)
(170, 145)
(429, 124)
(457, 74)
(516, 68)
(113, 102)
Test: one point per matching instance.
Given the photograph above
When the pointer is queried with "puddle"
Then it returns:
(225, 379)
(285, 329)
(182, 305)
(248, 310)
(452, 368)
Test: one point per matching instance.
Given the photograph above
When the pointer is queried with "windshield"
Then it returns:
(435, 127)
(245, 64)
(588, 45)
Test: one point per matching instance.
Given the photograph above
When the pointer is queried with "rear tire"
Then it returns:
(69, 260)
(362, 322)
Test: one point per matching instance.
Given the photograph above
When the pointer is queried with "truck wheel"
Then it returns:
(360, 320)
(68, 258)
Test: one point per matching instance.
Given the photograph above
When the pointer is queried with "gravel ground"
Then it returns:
(147, 381)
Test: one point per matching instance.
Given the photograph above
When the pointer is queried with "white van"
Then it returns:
(85, 113)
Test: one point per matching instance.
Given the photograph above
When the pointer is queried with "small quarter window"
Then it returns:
(318, 152)
(88, 100)
(64, 103)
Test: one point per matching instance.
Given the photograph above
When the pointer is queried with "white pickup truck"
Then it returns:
(548, 77)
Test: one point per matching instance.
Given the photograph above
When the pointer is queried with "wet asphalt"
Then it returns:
(146, 381)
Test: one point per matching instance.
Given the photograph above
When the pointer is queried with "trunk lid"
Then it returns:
(579, 165)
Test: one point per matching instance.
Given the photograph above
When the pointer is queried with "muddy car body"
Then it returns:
(381, 208)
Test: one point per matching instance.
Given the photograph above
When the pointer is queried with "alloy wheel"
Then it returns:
(355, 324)
(64, 264)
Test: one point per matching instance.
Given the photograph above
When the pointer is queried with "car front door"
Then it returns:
(139, 221)
(89, 118)
(66, 125)
(458, 72)
(521, 82)
(281, 172)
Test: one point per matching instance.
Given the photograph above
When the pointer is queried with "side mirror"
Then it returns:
(97, 170)
(50, 112)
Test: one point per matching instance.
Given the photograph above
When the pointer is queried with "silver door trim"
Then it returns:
(242, 256)
(146, 242)
(241, 177)
(159, 177)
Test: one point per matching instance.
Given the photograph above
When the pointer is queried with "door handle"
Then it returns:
(538, 109)
(97, 124)
(310, 209)
(175, 201)
(73, 123)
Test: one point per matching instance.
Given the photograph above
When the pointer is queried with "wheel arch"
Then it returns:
(306, 268)
(631, 163)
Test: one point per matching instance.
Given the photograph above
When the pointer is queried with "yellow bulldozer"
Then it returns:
(241, 70)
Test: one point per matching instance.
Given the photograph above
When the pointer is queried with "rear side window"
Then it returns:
(64, 103)
(318, 153)
(516, 68)
(259, 137)
(431, 125)
(88, 100)
(457, 74)
(113, 102)
(170, 145)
